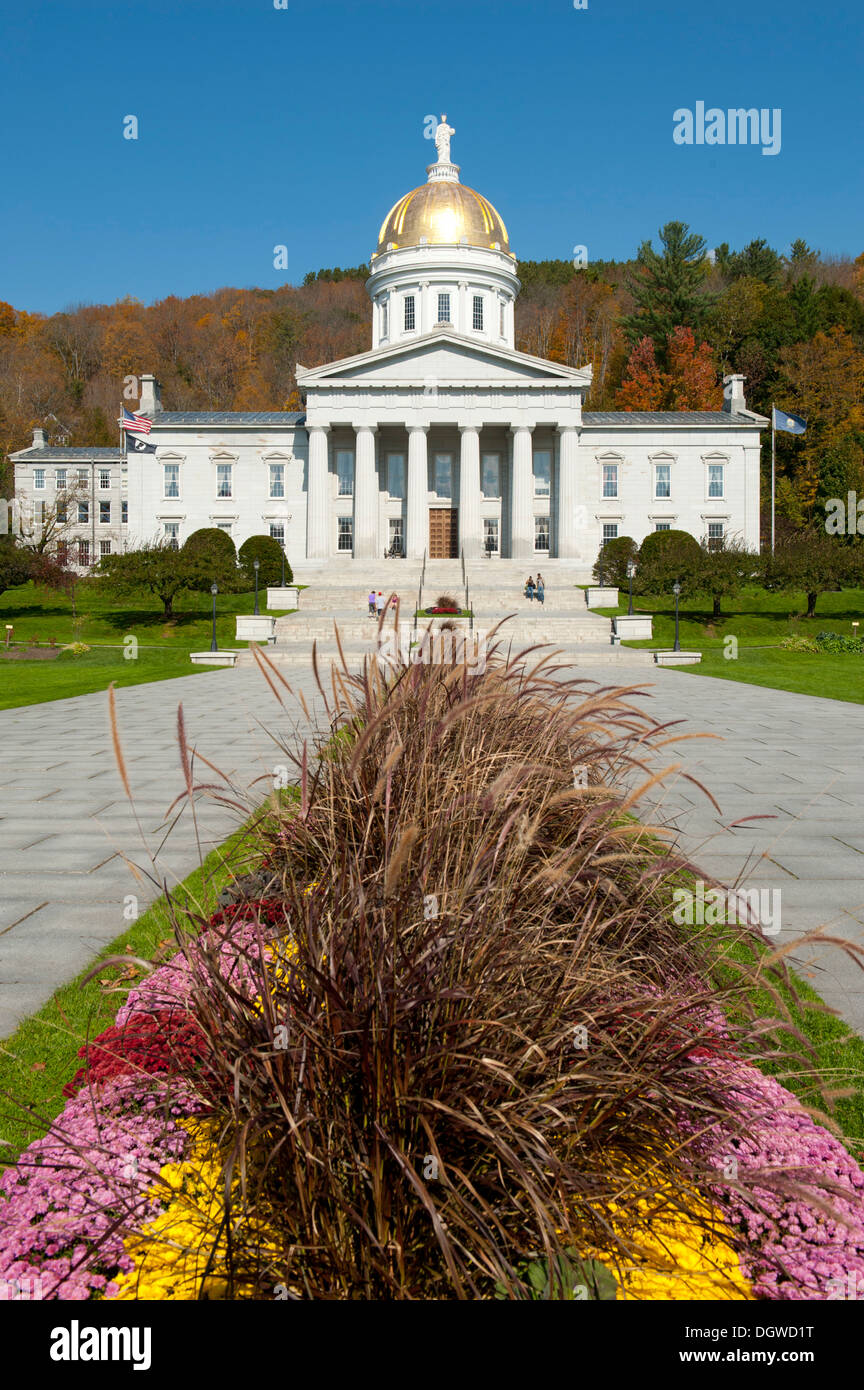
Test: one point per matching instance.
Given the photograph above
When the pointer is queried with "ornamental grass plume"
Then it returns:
(474, 1049)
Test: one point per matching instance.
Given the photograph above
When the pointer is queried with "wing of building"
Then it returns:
(442, 438)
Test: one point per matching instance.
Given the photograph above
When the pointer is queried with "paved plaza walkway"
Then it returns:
(65, 822)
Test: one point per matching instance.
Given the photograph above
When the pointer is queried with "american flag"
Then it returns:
(135, 424)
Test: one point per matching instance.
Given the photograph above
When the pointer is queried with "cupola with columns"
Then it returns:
(443, 258)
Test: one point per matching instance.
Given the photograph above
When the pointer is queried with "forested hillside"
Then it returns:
(660, 331)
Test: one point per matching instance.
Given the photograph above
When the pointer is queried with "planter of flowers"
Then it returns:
(417, 944)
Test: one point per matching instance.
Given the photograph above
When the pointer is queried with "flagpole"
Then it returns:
(773, 468)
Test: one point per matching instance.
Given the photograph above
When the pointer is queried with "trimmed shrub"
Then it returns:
(211, 557)
(666, 558)
(268, 553)
(610, 566)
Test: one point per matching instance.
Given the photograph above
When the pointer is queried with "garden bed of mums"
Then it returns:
(446, 1034)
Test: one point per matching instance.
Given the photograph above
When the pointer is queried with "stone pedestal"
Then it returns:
(634, 629)
(254, 629)
(601, 597)
(289, 597)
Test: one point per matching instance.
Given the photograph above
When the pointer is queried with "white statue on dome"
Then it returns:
(442, 140)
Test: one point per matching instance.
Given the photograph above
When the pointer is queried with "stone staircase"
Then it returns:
(337, 596)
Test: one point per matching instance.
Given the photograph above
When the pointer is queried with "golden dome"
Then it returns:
(445, 213)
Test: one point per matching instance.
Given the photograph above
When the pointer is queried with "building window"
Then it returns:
(104, 548)
(397, 536)
(62, 552)
(172, 534)
(490, 474)
(104, 479)
(39, 513)
(477, 319)
(662, 480)
(225, 526)
(124, 513)
(60, 479)
(443, 308)
(490, 535)
(83, 477)
(277, 480)
(171, 480)
(443, 475)
(39, 478)
(610, 480)
(542, 472)
(715, 480)
(715, 535)
(345, 472)
(83, 513)
(385, 318)
(84, 553)
(61, 513)
(610, 531)
(346, 533)
(223, 479)
(541, 533)
(104, 513)
(396, 475)
(410, 316)
(663, 526)
(277, 532)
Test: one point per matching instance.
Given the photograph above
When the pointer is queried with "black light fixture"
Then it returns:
(676, 589)
(214, 589)
(256, 565)
(631, 570)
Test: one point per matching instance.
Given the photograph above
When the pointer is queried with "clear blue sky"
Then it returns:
(261, 126)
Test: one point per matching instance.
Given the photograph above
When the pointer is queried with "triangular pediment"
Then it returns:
(442, 357)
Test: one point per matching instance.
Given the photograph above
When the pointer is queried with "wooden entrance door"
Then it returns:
(443, 533)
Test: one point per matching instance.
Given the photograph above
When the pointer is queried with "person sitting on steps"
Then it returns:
(529, 587)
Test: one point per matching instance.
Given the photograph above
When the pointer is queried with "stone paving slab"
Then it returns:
(790, 758)
(66, 824)
(793, 758)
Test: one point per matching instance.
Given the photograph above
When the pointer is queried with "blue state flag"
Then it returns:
(791, 424)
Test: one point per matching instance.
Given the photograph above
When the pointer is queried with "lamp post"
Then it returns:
(676, 589)
(631, 570)
(256, 564)
(214, 589)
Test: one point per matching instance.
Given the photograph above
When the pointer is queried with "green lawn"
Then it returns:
(759, 621)
(40, 616)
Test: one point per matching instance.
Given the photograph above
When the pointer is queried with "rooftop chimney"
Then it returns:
(733, 394)
(151, 395)
(38, 437)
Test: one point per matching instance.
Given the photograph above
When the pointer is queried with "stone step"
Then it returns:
(580, 654)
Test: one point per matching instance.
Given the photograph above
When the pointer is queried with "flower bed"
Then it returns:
(352, 986)
(122, 1197)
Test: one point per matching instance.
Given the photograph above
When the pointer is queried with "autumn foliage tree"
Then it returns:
(689, 383)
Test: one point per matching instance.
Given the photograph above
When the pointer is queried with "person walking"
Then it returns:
(541, 588)
(529, 587)
(379, 603)
(371, 602)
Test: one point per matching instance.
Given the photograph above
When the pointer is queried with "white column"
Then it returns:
(365, 495)
(568, 493)
(417, 509)
(317, 496)
(470, 538)
(522, 495)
